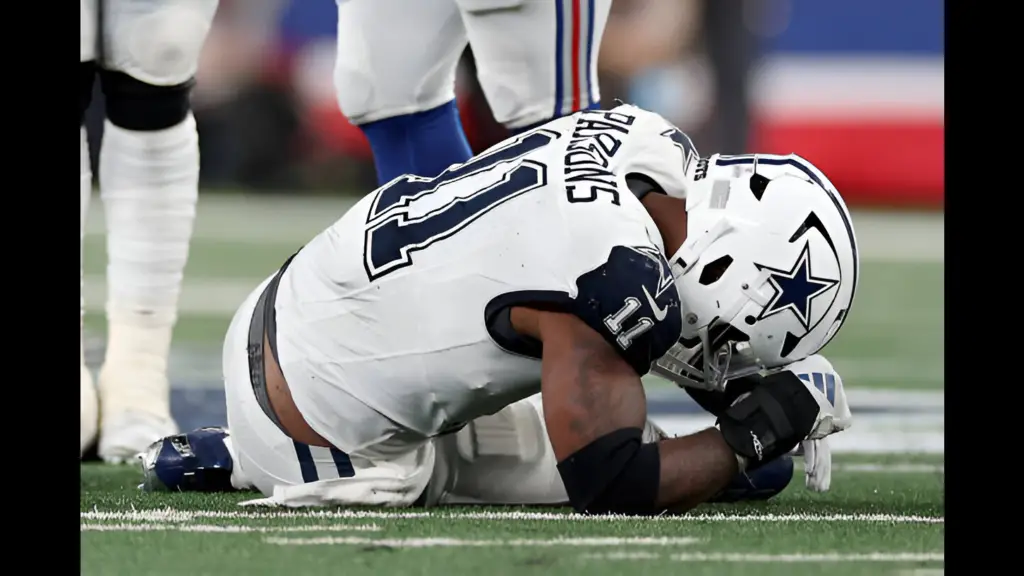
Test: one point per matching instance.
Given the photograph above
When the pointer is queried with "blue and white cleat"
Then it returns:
(761, 484)
(197, 461)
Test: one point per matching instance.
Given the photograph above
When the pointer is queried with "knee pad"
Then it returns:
(158, 43)
(516, 433)
(136, 105)
(374, 80)
(503, 458)
(86, 74)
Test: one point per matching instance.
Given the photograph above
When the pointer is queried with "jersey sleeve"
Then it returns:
(631, 300)
(659, 151)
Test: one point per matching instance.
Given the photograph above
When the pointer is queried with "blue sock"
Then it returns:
(593, 106)
(424, 143)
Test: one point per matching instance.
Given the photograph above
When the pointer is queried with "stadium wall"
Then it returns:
(856, 86)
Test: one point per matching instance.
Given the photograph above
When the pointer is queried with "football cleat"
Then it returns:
(134, 392)
(761, 484)
(197, 461)
(124, 435)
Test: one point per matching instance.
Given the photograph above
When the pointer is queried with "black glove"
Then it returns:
(777, 415)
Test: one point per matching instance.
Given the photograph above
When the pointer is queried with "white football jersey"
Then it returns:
(403, 303)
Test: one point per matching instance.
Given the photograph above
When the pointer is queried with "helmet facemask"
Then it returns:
(711, 349)
(720, 352)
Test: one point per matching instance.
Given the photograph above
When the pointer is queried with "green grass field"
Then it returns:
(883, 515)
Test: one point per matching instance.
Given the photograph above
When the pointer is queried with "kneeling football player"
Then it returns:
(397, 358)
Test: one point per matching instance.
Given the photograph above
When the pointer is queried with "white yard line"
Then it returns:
(221, 296)
(775, 558)
(621, 555)
(460, 542)
(911, 400)
(122, 527)
(889, 468)
(252, 218)
(265, 219)
(833, 557)
(218, 297)
(181, 516)
(276, 220)
(897, 370)
(893, 399)
(871, 433)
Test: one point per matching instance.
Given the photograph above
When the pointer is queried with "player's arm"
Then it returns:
(595, 410)
(626, 314)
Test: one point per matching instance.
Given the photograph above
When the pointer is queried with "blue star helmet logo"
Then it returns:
(795, 289)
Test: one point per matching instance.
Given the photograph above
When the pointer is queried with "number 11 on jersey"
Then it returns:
(615, 323)
(393, 234)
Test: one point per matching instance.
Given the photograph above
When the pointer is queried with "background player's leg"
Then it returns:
(423, 143)
(149, 176)
(149, 184)
(88, 417)
(395, 79)
(553, 73)
(89, 409)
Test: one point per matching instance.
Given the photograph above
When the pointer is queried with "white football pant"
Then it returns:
(535, 60)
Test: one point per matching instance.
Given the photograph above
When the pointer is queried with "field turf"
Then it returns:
(883, 515)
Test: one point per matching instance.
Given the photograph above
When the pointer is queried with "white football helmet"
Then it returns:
(767, 273)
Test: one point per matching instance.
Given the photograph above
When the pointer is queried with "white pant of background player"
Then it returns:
(505, 458)
(535, 59)
(155, 41)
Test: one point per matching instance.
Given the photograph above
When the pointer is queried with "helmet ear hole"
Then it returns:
(714, 270)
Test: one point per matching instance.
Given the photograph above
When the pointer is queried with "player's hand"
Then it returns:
(826, 386)
(817, 465)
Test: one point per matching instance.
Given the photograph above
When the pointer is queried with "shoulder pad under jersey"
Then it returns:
(658, 150)
(631, 300)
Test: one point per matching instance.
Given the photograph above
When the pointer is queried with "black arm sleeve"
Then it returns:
(615, 474)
